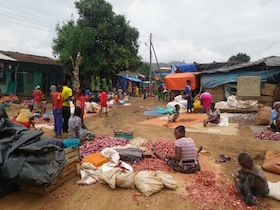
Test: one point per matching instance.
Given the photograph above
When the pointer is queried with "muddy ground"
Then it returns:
(99, 196)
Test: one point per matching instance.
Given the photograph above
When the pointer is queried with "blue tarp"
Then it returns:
(214, 80)
(186, 67)
(133, 79)
(123, 81)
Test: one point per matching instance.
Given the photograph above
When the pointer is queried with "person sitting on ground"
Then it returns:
(174, 115)
(250, 180)
(116, 100)
(185, 159)
(25, 117)
(213, 115)
(273, 116)
(75, 125)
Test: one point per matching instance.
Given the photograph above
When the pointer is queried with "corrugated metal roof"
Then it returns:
(261, 64)
(26, 58)
(6, 58)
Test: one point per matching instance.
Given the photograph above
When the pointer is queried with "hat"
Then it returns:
(37, 87)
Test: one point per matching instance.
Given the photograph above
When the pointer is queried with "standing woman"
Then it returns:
(103, 102)
(206, 99)
(57, 111)
(185, 159)
(188, 95)
(38, 95)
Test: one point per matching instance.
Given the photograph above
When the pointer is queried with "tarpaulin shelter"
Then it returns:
(185, 67)
(125, 78)
(225, 73)
(177, 81)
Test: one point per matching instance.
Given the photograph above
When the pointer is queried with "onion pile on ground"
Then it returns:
(209, 192)
(151, 164)
(163, 147)
(267, 136)
(99, 143)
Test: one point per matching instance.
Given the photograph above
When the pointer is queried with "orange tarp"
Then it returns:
(184, 119)
(177, 81)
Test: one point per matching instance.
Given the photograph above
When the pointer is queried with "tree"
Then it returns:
(106, 40)
(241, 57)
(144, 69)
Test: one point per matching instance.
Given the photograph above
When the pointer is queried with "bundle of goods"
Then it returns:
(127, 134)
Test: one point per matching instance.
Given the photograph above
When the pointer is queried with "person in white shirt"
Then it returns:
(213, 115)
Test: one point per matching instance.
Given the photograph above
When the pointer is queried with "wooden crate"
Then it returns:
(267, 98)
(267, 92)
(217, 93)
(269, 86)
(68, 172)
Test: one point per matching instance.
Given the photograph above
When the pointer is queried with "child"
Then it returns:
(116, 100)
(175, 114)
(250, 180)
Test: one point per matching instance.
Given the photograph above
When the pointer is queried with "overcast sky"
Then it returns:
(182, 30)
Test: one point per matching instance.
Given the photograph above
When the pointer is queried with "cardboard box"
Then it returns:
(248, 86)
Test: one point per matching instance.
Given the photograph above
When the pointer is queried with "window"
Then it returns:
(29, 77)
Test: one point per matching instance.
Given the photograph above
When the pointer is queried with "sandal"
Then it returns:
(225, 157)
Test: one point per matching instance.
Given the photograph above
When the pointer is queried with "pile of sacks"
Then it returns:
(182, 103)
(232, 102)
(117, 173)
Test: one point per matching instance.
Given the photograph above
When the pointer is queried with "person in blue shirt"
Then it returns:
(188, 96)
(273, 116)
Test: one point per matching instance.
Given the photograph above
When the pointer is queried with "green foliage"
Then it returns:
(108, 44)
(144, 69)
(241, 57)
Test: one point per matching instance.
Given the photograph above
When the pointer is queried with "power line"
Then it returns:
(25, 20)
(23, 25)
(23, 5)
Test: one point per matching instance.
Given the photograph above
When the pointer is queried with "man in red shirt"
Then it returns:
(103, 102)
(57, 111)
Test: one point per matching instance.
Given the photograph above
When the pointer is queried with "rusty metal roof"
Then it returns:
(26, 58)
(6, 58)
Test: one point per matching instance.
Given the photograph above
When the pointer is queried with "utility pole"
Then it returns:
(150, 73)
